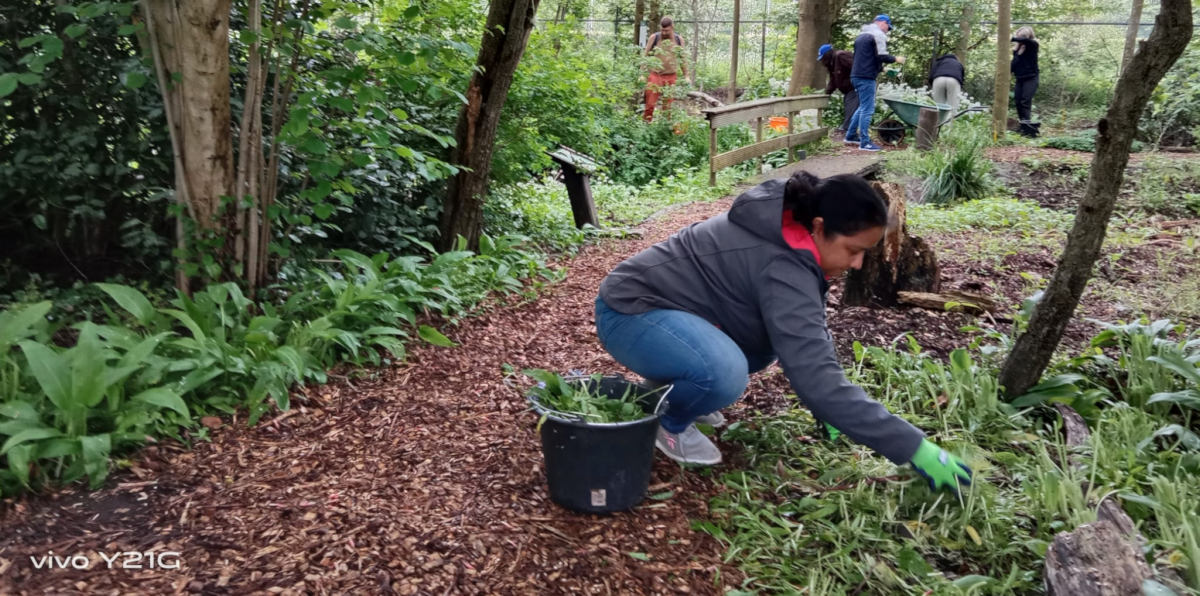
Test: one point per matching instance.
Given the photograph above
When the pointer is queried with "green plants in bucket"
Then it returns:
(597, 435)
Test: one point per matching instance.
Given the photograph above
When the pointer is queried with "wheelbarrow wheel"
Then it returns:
(890, 131)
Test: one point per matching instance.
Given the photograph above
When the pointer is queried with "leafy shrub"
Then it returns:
(1173, 115)
(1168, 186)
(1084, 140)
(150, 370)
(960, 171)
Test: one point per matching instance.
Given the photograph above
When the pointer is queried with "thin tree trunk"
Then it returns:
(695, 42)
(1033, 349)
(250, 156)
(814, 27)
(733, 50)
(653, 18)
(964, 32)
(505, 36)
(639, 12)
(1003, 63)
(1131, 33)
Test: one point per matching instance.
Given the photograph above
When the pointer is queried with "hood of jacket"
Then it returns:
(880, 37)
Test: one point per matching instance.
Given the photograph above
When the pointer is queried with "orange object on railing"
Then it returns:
(779, 123)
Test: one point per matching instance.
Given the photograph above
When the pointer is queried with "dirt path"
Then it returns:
(421, 479)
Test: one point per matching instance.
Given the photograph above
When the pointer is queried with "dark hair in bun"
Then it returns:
(846, 203)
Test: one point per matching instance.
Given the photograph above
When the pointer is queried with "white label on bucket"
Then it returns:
(599, 497)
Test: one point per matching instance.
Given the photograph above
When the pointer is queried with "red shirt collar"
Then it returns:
(798, 237)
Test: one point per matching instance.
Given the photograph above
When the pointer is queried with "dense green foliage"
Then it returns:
(153, 370)
(85, 163)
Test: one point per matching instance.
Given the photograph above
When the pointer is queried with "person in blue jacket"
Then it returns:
(870, 54)
(728, 296)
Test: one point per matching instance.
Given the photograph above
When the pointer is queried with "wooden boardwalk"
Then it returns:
(861, 163)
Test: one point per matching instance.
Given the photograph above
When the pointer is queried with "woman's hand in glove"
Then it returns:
(943, 469)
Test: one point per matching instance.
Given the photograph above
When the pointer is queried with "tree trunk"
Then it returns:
(964, 32)
(190, 43)
(1003, 63)
(694, 42)
(639, 11)
(653, 18)
(1131, 33)
(814, 28)
(1033, 349)
(899, 263)
(731, 98)
(509, 23)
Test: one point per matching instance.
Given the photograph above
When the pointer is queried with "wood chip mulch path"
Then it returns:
(424, 478)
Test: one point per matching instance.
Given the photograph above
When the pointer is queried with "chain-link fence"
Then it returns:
(1079, 60)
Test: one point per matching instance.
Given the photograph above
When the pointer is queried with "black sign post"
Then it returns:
(577, 168)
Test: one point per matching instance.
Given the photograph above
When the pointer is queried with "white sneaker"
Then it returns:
(689, 446)
(715, 419)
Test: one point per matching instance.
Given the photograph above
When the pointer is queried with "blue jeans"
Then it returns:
(708, 369)
(860, 122)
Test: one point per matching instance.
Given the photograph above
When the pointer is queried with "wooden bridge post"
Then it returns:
(791, 148)
(758, 139)
(712, 154)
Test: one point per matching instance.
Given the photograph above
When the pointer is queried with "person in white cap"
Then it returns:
(870, 54)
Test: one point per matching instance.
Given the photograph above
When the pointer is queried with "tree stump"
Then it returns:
(899, 263)
(1095, 559)
(927, 128)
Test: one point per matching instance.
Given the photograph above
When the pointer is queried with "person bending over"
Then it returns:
(725, 297)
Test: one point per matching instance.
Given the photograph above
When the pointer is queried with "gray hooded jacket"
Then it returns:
(764, 288)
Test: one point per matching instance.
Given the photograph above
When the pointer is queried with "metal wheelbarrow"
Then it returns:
(908, 113)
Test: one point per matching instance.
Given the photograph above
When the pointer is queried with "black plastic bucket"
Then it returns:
(596, 467)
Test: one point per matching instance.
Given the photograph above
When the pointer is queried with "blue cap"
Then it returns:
(885, 19)
(821, 51)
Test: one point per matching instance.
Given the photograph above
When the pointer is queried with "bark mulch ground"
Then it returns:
(424, 478)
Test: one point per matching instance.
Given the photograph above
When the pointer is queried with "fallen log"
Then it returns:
(951, 300)
(706, 98)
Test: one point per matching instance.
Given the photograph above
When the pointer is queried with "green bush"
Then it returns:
(151, 370)
(1173, 115)
(1083, 140)
(958, 170)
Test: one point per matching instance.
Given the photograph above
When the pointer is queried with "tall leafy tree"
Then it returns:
(1032, 352)
(815, 25)
(509, 23)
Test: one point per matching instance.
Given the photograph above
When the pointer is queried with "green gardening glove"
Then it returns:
(830, 432)
(942, 469)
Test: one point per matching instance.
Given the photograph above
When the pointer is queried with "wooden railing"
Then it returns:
(758, 110)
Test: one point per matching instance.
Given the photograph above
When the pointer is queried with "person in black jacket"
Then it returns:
(946, 81)
(870, 54)
(839, 63)
(1025, 71)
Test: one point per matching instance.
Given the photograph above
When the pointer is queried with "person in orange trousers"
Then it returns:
(667, 46)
